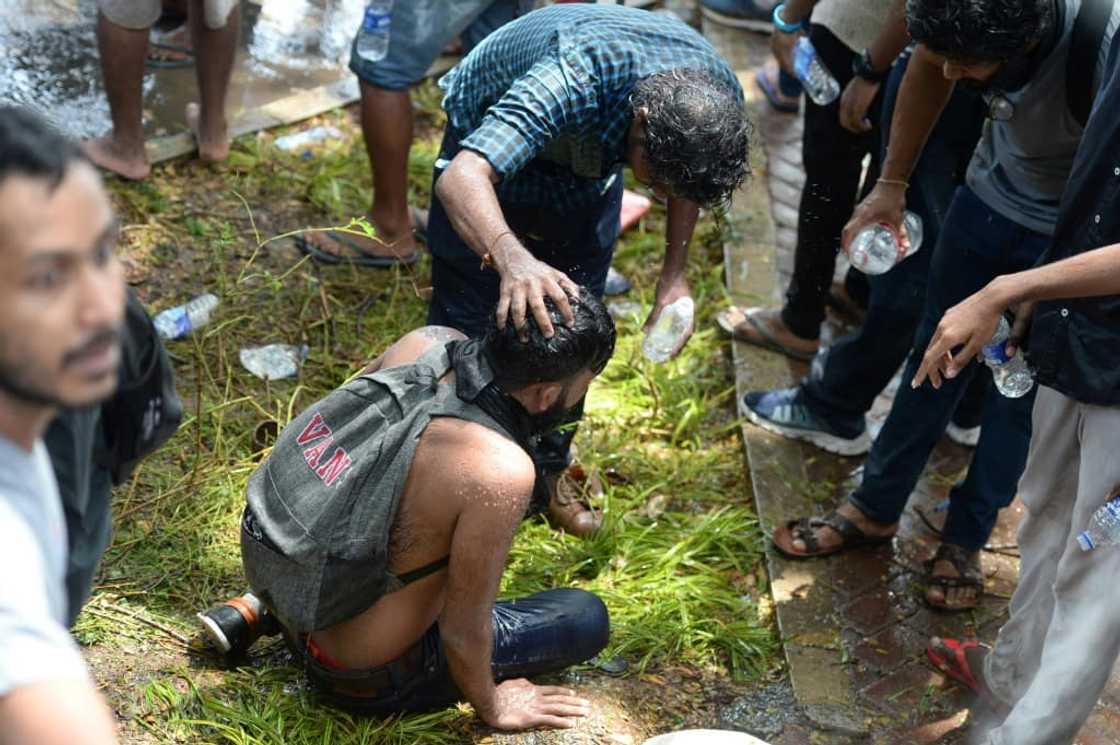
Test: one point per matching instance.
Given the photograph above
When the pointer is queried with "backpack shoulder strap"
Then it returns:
(1081, 63)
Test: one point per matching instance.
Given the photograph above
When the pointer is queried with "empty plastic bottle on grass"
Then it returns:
(177, 322)
(373, 38)
(1104, 527)
(1011, 374)
(874, 250)
(814, 76)
(307, 137)
(669, 329)
(274, 361)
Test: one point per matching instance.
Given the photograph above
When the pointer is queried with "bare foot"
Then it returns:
(399, 246)
(764, 327)
(127, 163)
(213, 142)
(827, 538)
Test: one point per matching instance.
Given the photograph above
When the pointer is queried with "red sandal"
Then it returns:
(956, 668)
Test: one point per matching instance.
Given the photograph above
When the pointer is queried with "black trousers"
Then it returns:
(833, 161)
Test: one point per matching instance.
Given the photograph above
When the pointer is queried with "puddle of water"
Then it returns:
(49, 62)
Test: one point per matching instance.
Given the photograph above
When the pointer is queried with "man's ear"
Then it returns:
(540, 397)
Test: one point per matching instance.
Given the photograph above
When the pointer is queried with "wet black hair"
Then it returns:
(32, 147)
(697, 134)
(978, 30)
(585, 345)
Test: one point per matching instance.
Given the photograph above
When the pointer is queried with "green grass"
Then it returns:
(678, 533)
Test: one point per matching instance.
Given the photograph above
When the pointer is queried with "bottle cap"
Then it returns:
(1085, 541)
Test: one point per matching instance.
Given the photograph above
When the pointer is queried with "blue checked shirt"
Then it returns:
(545, 99)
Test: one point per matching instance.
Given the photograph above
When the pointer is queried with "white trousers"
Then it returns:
(1055, 654)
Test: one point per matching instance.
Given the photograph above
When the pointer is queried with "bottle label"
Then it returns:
(375, 21)
(996, 353)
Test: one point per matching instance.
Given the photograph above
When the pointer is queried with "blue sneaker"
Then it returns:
(782, 412)
(755, 15)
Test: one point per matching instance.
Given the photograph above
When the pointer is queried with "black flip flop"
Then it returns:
(765, 339)
(359, 257)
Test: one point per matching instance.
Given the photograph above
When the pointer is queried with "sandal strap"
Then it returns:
(962, 560)
(806, 529)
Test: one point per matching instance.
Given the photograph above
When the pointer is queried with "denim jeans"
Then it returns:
(976, 245)
(464, 294)
(542, 633)
(833, 160)
(846, 377)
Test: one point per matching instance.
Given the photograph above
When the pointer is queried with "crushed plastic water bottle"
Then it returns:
(1011, 374)
(1104, 527)
(874, 250)
(308, 137)
(274, 361)
(372, 43)
(669, 329)
(177, 322)
(814, 76)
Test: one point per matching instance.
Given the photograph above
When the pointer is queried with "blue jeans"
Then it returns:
(976, 245)
(542, 633)
(464, 294)
(846, 377)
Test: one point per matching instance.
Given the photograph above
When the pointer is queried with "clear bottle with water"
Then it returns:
(177, 322)
(1011, 374)
(668, 330)
(814, 76)
(874, 250)
(1104, 527)
(373, 38)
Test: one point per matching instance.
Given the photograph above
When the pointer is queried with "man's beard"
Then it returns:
(554, 416)
(17, 378)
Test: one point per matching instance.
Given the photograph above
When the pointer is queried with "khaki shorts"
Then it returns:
(140, 14)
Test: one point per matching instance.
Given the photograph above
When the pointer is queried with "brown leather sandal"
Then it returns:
(805, 530)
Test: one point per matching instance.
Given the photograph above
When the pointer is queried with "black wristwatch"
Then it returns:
(862, 67)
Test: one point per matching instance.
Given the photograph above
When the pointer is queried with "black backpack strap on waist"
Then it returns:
(1081, 64)
(417, 574)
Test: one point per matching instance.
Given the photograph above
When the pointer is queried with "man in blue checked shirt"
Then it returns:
(542, 117)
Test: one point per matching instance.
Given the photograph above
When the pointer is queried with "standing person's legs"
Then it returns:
(418, 32)
(122, 43)
(1081, 638)
(214, 27)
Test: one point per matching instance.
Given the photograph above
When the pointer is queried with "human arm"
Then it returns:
(55, 712)
(412, 346)
(922, 97)
(860, 92)
(781, 43)
(673, 283)
(495, 497)
(970, 324)
(466, 190)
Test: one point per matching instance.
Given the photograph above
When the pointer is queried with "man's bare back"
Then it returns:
(451, 458)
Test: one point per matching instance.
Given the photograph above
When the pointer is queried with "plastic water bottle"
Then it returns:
(307, 137)
(177, 322)
(1104, 527)
(1012, 376)
(874, 250)
(373, 37)
(274, 361)
(669, 329)
(817, 80)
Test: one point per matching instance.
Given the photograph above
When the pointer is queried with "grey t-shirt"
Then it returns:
(1020, 166)
(34, 642)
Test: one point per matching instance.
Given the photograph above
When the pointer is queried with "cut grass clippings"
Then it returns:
(679, 530)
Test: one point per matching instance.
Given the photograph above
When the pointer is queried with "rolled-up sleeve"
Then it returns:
(541, 104)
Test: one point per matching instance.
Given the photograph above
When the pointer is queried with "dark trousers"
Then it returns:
(543, 633)
(846, 377)
(976, 245)
(833, 161)
(464, 295)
